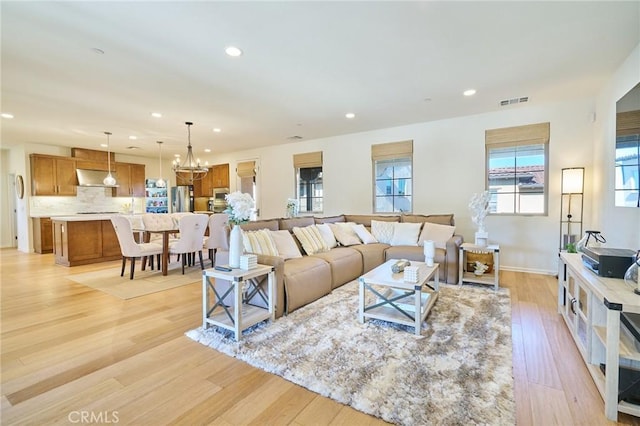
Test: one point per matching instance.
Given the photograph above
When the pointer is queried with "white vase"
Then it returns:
(235, 247)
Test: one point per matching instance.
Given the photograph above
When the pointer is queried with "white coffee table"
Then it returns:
(397, 300)
(241, 315)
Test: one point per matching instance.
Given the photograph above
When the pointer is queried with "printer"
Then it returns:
(608, 262)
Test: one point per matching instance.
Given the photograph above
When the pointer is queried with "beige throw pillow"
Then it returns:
(405, 234)
(285, 244)
(382, 231)
(310, 238)
(364, 235)
(327, 235)
(344, 233)
(259, 242)
(440, 234)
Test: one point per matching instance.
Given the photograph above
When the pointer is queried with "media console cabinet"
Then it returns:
(591, 307)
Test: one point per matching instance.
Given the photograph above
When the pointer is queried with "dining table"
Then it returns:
(166, 233)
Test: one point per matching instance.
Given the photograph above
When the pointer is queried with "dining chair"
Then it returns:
(158, 221)
(192, 228)
(217, 238)
(130, 248)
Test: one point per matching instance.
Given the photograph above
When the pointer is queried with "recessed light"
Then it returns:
(233, 51)
(104, 145)
(6, 115)
(133, 138)
(176, 155)
(217, 130)
(469, 92)
(350, 115)
(207, 150)
(156, 114)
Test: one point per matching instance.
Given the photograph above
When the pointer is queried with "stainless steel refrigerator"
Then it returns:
(182, 198)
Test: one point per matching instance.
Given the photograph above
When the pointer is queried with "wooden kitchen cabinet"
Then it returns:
(51, 175)
(220, 176)
(42, 235)
(86, 241)
(130, 180)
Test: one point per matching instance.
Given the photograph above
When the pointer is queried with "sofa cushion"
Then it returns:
(345, 263)
(259, 242)
(330, 219)
(260, 224)
(405, 234)
(364, 235)
(344, 233)
(300, 222)
(285, 244)
(310, 238)
(372, 255)
(327, 235)
(382, 231)
(306, 279)
(415, 253)
(439, 234)
(442, 219)
(366, 219)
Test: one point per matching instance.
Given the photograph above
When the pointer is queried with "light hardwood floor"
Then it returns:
(70, 351)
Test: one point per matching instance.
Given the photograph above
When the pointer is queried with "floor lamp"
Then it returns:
(571, 205)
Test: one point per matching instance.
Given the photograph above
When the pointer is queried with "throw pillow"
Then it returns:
(310, 238)
(405, 234)
(436, 232)
(344, 233)
(285, 244)
(259, 242)
(327, 235)
(382, 231)
(363, 234)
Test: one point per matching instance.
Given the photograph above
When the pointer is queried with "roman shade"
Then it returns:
(307, 160)
(519, 135)
(246, 169)
(392, 150)
(628, 123)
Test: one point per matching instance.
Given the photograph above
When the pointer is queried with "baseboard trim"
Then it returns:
(528, 270)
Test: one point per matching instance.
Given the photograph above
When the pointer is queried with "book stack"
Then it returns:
(248, 261)
(411, 274)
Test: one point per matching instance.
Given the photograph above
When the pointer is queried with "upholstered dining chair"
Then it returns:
(158, 221)
(130, 248)
(217, 238)
(192, 228)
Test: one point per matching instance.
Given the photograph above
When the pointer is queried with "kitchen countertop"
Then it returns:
(83, 217)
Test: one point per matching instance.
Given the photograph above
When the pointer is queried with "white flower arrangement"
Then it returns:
(292, 207)
(239, 207)
(479, 206)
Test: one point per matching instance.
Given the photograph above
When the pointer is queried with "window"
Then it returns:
(246, 172)
(517, 159)
(309, 191)
(392, 177)
(627, 176)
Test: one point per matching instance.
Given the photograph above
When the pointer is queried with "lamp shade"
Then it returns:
(573, 180)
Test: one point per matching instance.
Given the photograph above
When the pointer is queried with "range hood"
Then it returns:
(94, 178)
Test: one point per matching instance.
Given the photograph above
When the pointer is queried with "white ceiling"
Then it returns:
(305, 65)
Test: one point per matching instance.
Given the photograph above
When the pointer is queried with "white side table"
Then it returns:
(491, 278)
(241, 315)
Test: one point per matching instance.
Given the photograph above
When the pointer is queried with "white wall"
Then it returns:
(448, 168)
(620, 225)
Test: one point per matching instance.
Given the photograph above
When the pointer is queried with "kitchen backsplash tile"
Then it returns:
(88, 199)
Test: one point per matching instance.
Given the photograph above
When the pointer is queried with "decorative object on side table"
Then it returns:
(239, 208)
(480, 268)
(292, 208)
(479, 206)
(632, 276)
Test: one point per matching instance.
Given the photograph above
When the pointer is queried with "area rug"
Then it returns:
(459, 371)
(143, 283)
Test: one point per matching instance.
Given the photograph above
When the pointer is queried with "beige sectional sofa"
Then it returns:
(301, 280)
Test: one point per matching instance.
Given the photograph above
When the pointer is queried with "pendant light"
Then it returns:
(160, 183)
(109, 180)
(190, 170)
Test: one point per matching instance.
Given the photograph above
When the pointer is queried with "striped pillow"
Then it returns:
(259, 242)
(311, 239)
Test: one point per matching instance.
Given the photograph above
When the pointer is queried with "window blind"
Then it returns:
(519, 135)
(246, 169)
(307, 160)
(628, 123)
(392, 150)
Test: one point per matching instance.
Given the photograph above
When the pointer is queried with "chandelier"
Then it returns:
(190, 170)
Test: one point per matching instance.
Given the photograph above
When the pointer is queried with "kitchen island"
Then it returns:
(83, 239)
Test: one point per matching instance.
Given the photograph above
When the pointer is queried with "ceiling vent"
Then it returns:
(295, 138)
(133, 147)
(514, 101)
